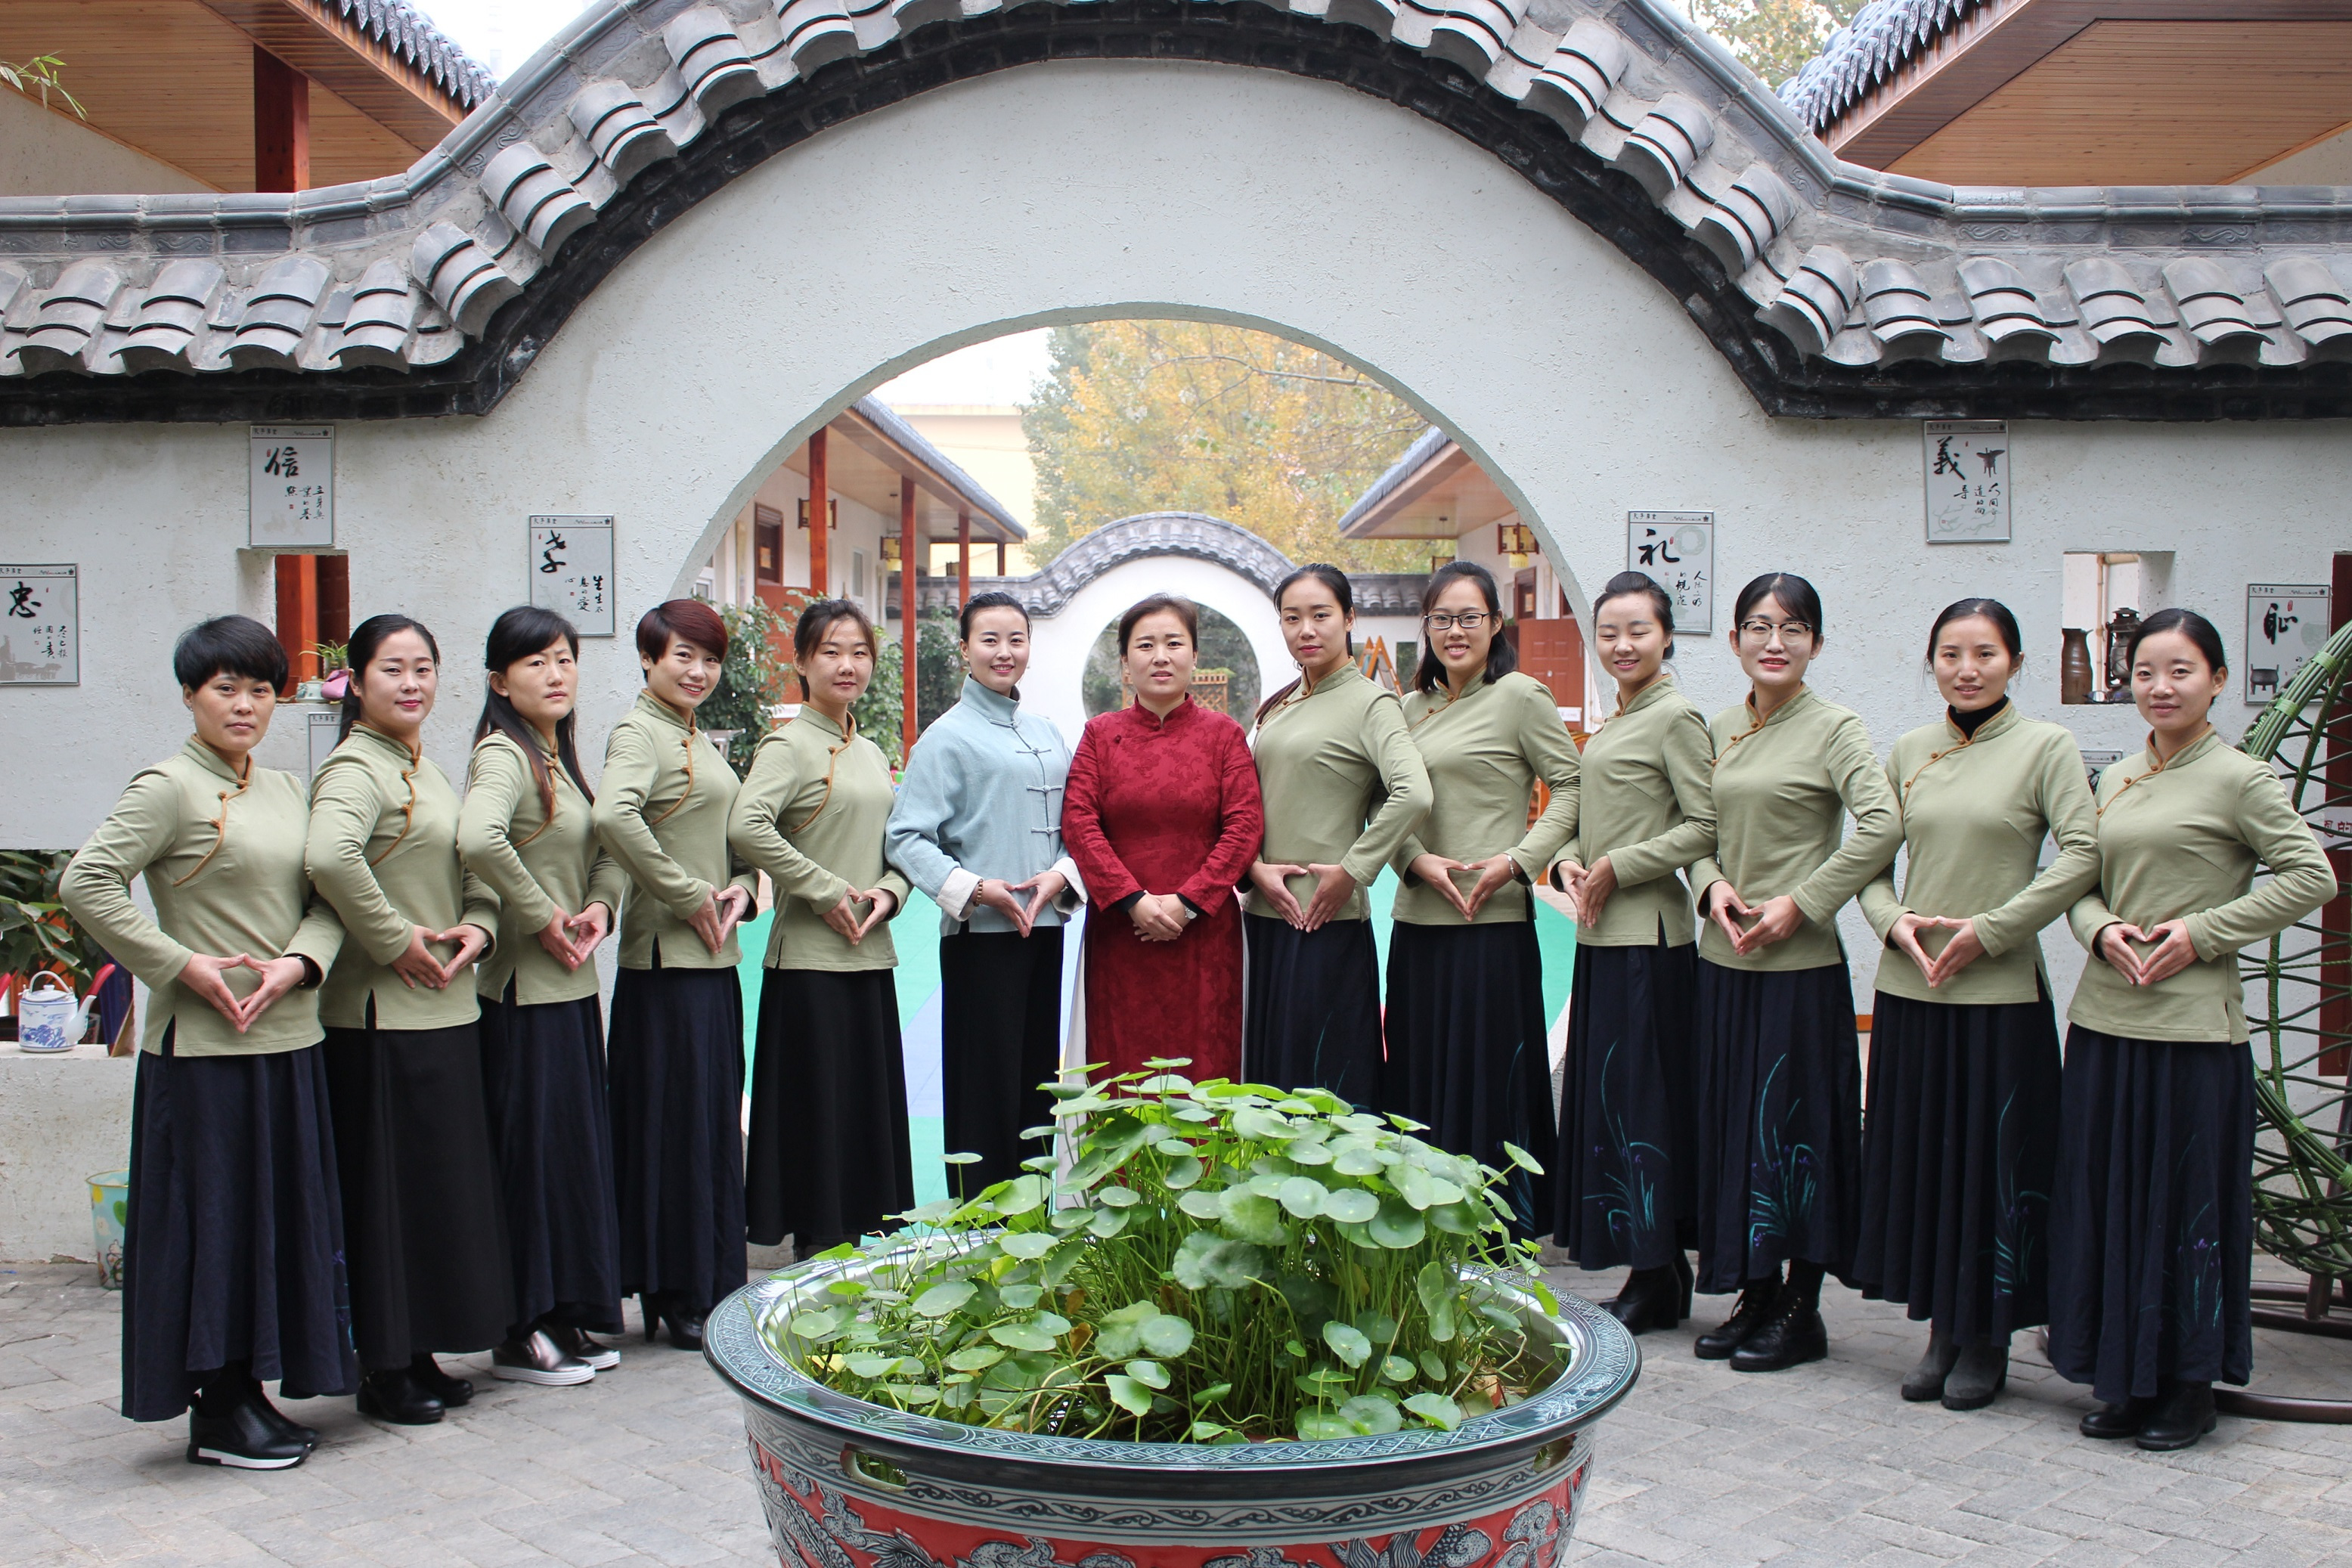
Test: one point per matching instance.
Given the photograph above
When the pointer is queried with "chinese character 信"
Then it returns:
(283, 461)
(21, 601)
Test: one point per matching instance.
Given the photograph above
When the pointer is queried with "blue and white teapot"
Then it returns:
(49, 1018)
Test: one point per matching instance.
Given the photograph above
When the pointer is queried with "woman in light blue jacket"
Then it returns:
(978, 827)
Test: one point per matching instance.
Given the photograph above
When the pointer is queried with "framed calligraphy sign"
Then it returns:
(571, 570)
(1677, 549)
(290, 487)
(1967, 467)
(40, 625)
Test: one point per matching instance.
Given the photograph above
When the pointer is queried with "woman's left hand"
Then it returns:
(1494, 875)
(278, 977)
(1963, 950)
(589, 929)
(1777, 920)
(1333, 888)
(472, 942)
(2172, 953)
(885, 903)
(1599, 880)
(1042, 889)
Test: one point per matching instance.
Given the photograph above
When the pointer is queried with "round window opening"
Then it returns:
(1226, 678)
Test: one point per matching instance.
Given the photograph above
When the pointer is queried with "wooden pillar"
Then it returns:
(908, 642)
(1000, 558)
(298, 616)
(819, 516)
(963, 558)
(281, 124)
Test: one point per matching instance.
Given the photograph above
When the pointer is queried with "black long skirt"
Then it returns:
(1780, 1122)
(424, 1225)
(1312, 1016)
(829, 1157)
(675, 1077)
(1625, 1173)
(1000, 1038)
(543, 1074)
(2152, 1220)
(1466, 1051)
(1958, 1151)
(233, 1235)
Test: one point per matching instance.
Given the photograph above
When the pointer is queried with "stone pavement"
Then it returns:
(1701, 1465)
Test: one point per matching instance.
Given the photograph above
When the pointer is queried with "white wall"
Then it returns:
(713, 350)
(46, 153)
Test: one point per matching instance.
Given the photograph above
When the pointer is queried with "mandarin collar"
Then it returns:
(991, 705)
(2000, 723)
(810, 716)
(213, 762)
(408, 755)
(2188, 753)
(1647, 695)
(649, 703)
(1803, 697)
(1154, 722)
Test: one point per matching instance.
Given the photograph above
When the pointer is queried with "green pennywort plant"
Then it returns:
(1217, 1263)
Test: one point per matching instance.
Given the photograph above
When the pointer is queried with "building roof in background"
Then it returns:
(403, 29)
(1882, 36)
(997, 523)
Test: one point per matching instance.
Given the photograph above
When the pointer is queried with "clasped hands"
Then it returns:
(1005, 897)
(206, 974)
(1333, 888)
(416, 965)
(571, 940)
(1964, 947)
(1777, 920)
(1589, 886)
(844, 917)
(1495, 873)
(2172, 950)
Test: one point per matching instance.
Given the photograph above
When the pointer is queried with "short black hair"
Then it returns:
(994, 599)
(1175, 604)
(2188, 624)
(229, 644)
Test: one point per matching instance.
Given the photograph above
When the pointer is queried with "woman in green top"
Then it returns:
(1963, 1135)
(233, 1240)
(1625, 1183)
(675, 1066)
(1779, 1090)
(1467, 1049)
(525, 831)
(829, 1159)
(2151, 1221)
(425, 1232)
(1342, 784)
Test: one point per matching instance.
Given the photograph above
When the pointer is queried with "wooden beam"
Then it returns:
(315, 38)
(281, 124)
(1000, 558)
(820, 515)
(908, 642)
(298, 616)
(963, 558)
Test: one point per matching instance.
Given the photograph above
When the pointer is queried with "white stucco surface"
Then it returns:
(1082, 190)
(46, 151)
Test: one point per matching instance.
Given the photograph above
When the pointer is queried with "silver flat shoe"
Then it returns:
(538, 1360)
(582, 1346)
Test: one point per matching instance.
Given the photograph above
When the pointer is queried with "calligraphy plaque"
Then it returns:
(40, 625)
(571, 570)
(290, 489)
(1967, 481)
(2286, 626)
(1677, 549)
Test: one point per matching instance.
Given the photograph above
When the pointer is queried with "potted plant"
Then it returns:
(1235, 1328)
(335, 673)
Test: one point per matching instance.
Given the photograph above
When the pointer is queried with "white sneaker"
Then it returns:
(580, 1345)
(536, 1360)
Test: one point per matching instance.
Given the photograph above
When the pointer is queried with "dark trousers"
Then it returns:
(1000, 1038)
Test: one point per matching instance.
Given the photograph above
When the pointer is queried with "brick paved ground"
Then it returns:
(1700, 1466)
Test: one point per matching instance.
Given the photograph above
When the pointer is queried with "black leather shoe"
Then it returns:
(685, 1329)
(1791, 1337)
(1650, 1300)
(1748, 1314)
(1982, 1371)
(451, 1392)
(2123, 1420)
(1926, 1381)
(243, 1438)
(394, 1396)
(306, 1436)
(2180, 1417)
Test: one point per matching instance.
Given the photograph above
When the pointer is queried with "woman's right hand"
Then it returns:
(2113, 944)
(1268, 877)
(1437, 872)
(720, 912)
(1725, 906)
(1159, 917)
(416, 965)
(203, 976)
(843, 917)
(997, 894)
(1903, 937)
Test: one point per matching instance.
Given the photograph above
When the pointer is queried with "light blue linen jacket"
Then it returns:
(982, 797)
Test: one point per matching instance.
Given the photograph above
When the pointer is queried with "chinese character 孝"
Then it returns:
(549, 560)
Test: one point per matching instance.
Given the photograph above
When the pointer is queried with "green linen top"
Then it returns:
(661, 809)
(813, 816)
(1782, 789)
(1485, 750)
(1974, 814)
(1342, 782)
(1647, 802)
(223, 860)
(383, 850)
(2180, 840)
(535, 864)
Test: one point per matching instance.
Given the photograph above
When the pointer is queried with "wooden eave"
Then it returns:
(316, 40)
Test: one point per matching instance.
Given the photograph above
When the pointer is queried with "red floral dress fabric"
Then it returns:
(1164, 806)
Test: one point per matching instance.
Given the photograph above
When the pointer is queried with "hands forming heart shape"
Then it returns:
(2168, 950)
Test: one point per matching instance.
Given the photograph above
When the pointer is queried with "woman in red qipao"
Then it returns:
(1163, 819)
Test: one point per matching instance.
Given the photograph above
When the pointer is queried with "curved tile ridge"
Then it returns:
(1192, 533)
(1852, 266)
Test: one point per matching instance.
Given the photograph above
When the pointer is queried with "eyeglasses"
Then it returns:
(1469, 621)
(1761, 630)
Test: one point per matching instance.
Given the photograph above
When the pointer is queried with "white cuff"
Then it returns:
(956, 894)
(1075, 893)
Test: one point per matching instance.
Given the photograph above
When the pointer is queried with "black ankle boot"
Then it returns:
(2183, 1414)
(279, 1421)
(1926, 1381)
(1652, 1299)
(394, 1396)
(1751, 1311)
(243, 1439)
(685, 1329)
(2123, 1420)
(1983, 1372)
(1792, 1336)
(451, 1392)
